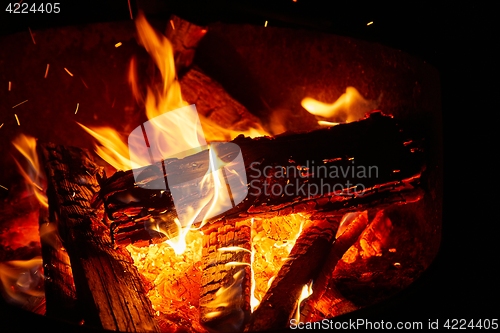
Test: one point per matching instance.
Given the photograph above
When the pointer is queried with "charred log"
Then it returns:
(324, 170)
(336, 303)
(59, 286)
(225, 284)
(305, 261)
(109, 290)
(184, 37)
(213, 102)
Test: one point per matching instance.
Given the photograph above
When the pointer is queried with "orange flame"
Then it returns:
(32, 173)
(350, 106)
(182, 129)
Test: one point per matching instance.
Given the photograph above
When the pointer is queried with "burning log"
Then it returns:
(225, 284)
(184, 37)
(211, 99)
(213, 102)
(305, 261)
(60, 293)
(282, 173)
(336, 303)
(110, 292)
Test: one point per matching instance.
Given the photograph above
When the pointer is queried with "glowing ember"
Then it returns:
(67, 71)
(272, 241)
(32, 37)
(118, 44)
(46, 71)
(77, 106)
(15, 106)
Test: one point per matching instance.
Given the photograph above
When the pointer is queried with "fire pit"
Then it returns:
(316, 110)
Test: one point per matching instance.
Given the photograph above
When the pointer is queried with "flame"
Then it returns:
(306, 292)
(350, 106)
(22, 279)
(32, 174)
(112, 146)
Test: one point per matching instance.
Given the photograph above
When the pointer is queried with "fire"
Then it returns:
(34, 178)
(22, 279)
(272, 242)
(350, 106)
(173, 130)
(306, 292)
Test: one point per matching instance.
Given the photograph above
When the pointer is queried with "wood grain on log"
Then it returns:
(283, 171)
(60, 293)
(109, 290)
(315, 303)
(184, 37)
(213, 102)
(226, 279)
(305, 261)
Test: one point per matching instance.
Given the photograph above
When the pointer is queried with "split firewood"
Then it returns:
(348, 236)
(110, 292)
(323, 170)
(226, 279)
(214, 103)
(303, 264)
(59, 286)
(184, 37)
(211, 99)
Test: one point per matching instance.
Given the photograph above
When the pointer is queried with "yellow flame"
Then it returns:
(306, 292)
(31, 172)
(22, 279)
(113, 148)
(350, 106)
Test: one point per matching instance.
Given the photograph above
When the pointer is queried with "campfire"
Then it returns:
(209, 206)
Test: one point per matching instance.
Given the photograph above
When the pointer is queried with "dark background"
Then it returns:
(460, 41)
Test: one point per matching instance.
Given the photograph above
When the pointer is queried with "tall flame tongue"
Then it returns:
(189, 131)
(31, 172)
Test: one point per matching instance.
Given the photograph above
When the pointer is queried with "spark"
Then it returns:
(17, 119)
(370, 23)
(118, 44)
(68, 71)
(4, 187)
(10, 85)
(265, 24)
(19, 103)
(46, 71)
(172, 24)
(32, 37)
(130, 10)
(84, 83)
(77, 106)
(1, 125)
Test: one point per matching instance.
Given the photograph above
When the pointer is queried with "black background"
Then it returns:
(460, 41)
